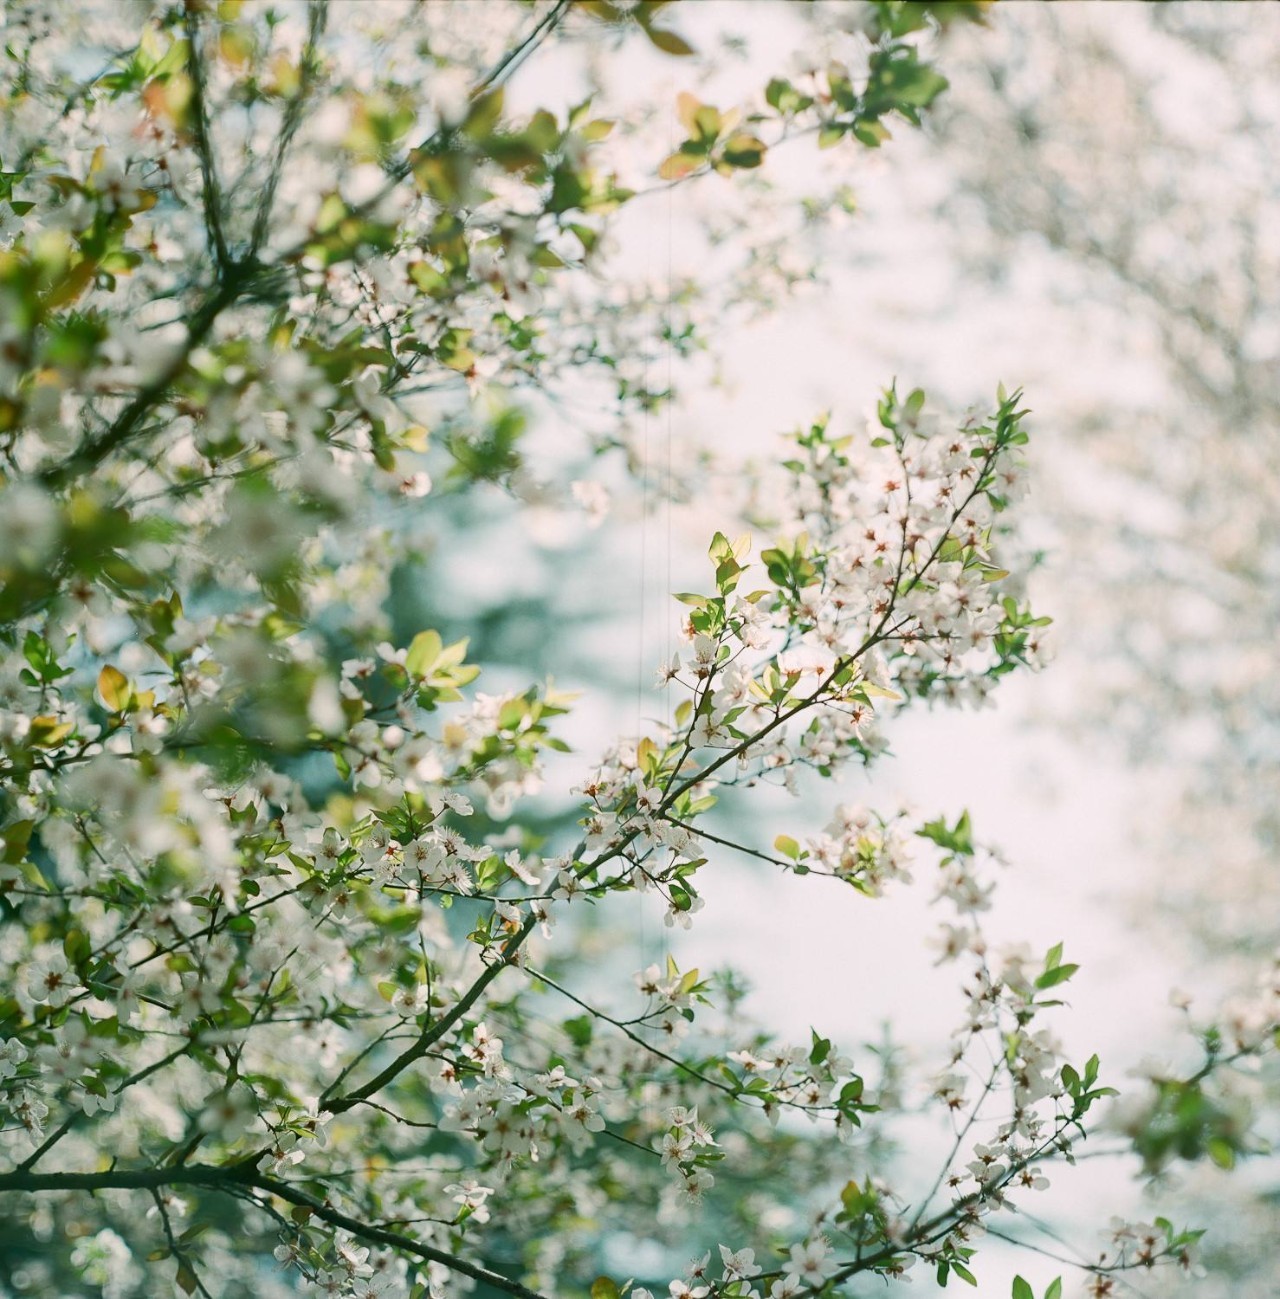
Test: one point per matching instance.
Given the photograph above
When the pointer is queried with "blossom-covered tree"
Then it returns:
(1156, 230)
(296, 991)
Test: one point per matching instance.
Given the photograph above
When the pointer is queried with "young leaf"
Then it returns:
(669, 42)
(113, 689)
(1059, 974)
(424, 651)
(787, 846)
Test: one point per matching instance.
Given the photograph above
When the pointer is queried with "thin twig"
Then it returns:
(211, 190)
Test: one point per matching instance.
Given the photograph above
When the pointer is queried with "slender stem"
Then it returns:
(738, 847)
(318, 18)
(964, 1131)
(635, 1037)
(184, 1259)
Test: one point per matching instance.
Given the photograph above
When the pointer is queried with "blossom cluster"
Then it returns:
(292, 927)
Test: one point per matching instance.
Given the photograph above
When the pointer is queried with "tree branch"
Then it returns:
(210, 189)
(233, 1179)
(392, 1239)
(319, 17)
(882, 632)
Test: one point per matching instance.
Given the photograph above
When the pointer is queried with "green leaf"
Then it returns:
(1055, 1289)
(15, 837)
(874, 691)
(76, 946)
(580, 1029)
(921, 88)
(873, 134)
(484, 114)
(1059, 974)
(957, 839)
(603, 1288)
(1022, 1289)
(174, 57)
(669, 43)
(743, 150)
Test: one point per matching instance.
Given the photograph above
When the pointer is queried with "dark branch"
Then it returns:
(234, 1179)
(211, 191)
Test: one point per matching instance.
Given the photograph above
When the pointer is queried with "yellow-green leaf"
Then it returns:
(46, 731)
(113, 689)
(424, 653)
(679, 165)
(787, 846)
(15, 838)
